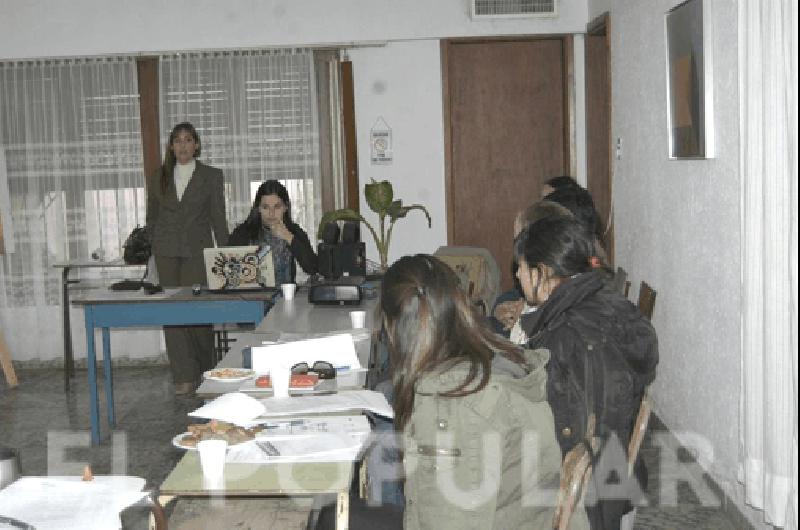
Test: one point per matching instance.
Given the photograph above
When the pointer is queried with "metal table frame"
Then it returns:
(106, 309)
(66, 267)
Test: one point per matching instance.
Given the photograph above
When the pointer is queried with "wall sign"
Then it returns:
(380, 143)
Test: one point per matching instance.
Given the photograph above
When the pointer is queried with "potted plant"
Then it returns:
(380, 199)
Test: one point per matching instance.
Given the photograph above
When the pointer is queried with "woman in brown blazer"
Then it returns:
(185, 204)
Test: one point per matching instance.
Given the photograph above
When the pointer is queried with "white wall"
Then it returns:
(677, 225)
(402, 84)
(399, 80)
(42, 28)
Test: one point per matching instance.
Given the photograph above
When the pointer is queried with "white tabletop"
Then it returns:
(301, 316)
(297, 319)
(92, 263)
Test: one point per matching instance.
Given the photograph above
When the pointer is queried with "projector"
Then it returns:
(336, 293)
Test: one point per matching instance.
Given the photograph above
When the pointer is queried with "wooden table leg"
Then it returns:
(5, 360)
(158, 519)
(342, 510)
(363, 478)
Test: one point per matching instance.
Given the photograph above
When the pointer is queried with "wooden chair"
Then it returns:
(647, 300)
(477, 270)
(621, 281)
(639, 429)
(7, 365)
(576, 470)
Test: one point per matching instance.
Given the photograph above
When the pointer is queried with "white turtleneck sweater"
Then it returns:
(183, 172)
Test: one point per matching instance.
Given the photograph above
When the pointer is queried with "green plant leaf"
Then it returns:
(379, 196)
(397, 211)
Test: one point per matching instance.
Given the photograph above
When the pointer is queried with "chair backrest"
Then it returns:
(576, 470)
(620, 279)
(639, 429)
(477, 269)
(647, 300)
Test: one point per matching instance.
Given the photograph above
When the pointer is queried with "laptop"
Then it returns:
(245, 268)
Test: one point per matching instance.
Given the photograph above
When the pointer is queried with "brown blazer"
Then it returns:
(183, 228)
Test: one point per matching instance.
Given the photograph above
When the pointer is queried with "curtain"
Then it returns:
(71, 138)
(257, 117)
(768, 168)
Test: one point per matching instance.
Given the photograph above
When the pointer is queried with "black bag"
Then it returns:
(137, 247)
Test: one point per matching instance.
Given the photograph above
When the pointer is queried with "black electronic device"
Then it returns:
(330, 233)
(352, 259)
(343, 259)
(328, 263)
(351, 232)
(335, 294)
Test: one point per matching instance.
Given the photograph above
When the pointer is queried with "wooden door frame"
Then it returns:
(569, 108)
(600, 26)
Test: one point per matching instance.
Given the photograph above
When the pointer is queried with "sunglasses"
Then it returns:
(323, 369)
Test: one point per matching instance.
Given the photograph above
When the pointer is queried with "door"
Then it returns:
(505, 134)
(598, 127)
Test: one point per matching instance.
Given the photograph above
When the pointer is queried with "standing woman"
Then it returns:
(270, 224)
(185, 204)
(478, 436)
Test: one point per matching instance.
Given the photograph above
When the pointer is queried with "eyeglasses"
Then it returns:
(323, 369)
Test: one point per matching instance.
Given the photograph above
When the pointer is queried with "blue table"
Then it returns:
(107, 309)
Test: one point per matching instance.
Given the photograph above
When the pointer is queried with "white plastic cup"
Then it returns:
(212, 461)
(280, 376)
(358, 318)
(288, 290)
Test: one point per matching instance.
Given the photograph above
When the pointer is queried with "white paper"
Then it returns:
(335, 349)
(341, 401)
(68, 503)
(234, 407)
(324, 447)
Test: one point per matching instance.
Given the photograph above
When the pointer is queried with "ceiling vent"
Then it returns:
(513, 8)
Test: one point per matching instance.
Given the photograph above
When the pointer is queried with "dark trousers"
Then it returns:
(190, 348)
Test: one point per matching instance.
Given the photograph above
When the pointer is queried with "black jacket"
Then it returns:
(300, 247)
(603, 355)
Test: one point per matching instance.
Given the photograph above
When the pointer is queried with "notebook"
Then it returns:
(239, 268)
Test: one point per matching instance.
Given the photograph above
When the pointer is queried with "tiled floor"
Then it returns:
(39, 413)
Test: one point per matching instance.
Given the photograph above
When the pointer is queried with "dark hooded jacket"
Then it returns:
(603, 355)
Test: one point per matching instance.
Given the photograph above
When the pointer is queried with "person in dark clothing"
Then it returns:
(559, 183)
(510, 305)
(603, 355)
(579, 201)
(185, 214)
(270, 224)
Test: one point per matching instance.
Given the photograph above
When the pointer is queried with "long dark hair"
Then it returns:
(562, 181)
(563, 244)
(268, 187)
(430, 324)
(168, 167)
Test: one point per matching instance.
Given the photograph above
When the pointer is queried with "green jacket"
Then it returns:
(488, 460)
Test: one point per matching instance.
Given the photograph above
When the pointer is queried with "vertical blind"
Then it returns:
(256, 114)
(70, 133)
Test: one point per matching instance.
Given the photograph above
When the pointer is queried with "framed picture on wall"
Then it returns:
(690, 110)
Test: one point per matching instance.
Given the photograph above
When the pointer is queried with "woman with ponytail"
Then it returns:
(477, 432)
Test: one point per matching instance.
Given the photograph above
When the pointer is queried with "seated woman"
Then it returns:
(511, 305)
(603, 353)
(467, 405)
(270, 224)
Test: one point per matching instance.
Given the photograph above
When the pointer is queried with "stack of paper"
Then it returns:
(339, 402)
(318, 439)
(244, 410)
(234, 407)
(68, 503)
(335, 349)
